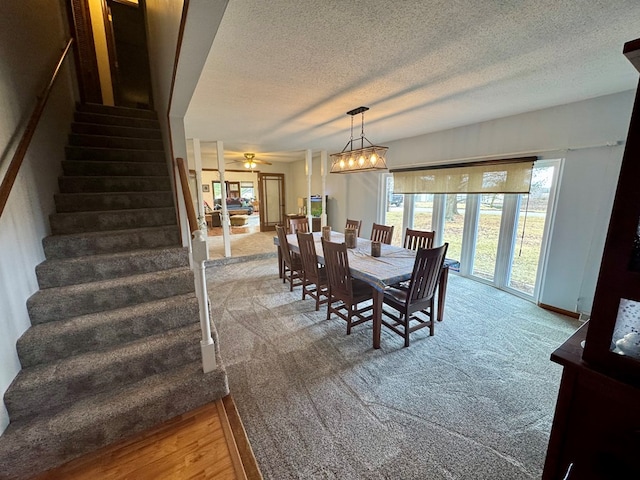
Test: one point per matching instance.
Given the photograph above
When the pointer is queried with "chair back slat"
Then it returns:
(336, 262)
(415, 239)
(284, 245)
(298, 225)
(382, 233)
(426, 273)
(308, 255)
(354, 224)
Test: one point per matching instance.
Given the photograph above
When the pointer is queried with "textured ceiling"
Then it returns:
(281, 74)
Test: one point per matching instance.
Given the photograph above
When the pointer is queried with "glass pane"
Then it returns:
(394, 212)
(530, 229)
(272, 201)
(423, 211)
(626, 334)
(486, 251)
(454, 223)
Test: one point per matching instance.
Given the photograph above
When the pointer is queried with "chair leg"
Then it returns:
(405, 321)
(349, 319)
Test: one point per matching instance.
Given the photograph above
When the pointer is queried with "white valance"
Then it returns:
(492, 176)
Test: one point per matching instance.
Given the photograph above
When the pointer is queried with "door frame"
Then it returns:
(262, 177)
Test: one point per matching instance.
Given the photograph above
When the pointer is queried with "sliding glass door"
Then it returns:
(498, 238)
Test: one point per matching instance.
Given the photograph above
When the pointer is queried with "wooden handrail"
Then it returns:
(186, 194)
(18, 157)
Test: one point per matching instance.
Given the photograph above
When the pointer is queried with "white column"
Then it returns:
(224, 216)
(197, 160)
(308, 164)
(323, 173)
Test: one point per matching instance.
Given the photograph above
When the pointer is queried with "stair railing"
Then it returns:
(199, 254)
(18, 157)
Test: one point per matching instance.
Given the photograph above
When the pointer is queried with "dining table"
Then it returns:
(394, 265)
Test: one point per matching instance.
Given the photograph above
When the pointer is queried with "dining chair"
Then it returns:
(292, 271)
(343, 288)
(298, 225)
(382, 233)
(414, 239)
(354, 224)
(314, 278)
(418, 300)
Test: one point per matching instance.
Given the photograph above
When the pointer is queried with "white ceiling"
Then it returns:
(282, 74)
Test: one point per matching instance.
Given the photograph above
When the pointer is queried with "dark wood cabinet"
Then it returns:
(596, 427)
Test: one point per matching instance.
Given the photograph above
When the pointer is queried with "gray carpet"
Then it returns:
(475, 401)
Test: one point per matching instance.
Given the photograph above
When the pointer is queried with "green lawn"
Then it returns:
(527, 250)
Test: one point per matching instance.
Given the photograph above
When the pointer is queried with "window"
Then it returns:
(247, 191)
(499, 238)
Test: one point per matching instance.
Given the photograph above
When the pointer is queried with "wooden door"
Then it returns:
(271, 192)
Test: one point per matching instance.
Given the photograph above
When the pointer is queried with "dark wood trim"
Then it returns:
(561, 311)
(226, 170)
(183, 20)
(84, 52)
(186, 195)
(500, 161)
(18, 157)
(112, 53)
(242, 441)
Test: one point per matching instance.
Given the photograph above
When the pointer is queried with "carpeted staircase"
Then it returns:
(114, 343)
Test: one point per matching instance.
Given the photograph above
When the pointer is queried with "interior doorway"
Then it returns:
(128, 57)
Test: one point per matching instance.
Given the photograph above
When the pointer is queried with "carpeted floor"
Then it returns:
(475, 401)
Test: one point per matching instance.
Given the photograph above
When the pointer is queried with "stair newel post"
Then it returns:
(200, 255)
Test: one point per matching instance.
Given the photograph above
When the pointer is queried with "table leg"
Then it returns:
(378, 296)
(442, 291)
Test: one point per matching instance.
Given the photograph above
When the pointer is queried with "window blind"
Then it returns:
(492, 176)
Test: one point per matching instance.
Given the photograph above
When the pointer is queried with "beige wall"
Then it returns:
(102, 54)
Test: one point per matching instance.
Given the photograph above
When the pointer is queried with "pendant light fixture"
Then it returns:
(363, 159)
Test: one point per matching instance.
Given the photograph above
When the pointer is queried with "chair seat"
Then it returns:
(397, 294)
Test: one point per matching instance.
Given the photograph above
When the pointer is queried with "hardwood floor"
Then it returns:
(206, 443)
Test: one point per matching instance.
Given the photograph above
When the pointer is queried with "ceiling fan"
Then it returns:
(250, 161)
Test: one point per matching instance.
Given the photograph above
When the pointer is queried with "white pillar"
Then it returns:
(323, 173)
(197, 160)
(224, 216)
(308, 168)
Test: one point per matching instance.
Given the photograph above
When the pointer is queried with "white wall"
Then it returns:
(163, 26)
(37, 34)
(586, 190)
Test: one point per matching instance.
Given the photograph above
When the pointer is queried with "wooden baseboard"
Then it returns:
(561, 311)
(243, 446)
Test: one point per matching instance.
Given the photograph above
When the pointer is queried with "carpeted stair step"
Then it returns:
(113, 184)
(83, 202)
(117, 111)
(105, 119)
(105, 141)
(77, 222)
(129, 169)
(74, 152)
(115, 130)
(30, 447)
(73, 271)
(96, 243)
(51, 386)
(53, 304)
(52, 341)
